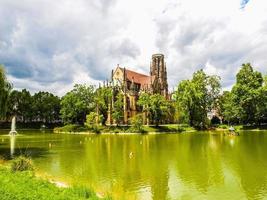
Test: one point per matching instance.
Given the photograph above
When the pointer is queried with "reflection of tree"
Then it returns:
(211, 164)
(198, 161)
(246, 156)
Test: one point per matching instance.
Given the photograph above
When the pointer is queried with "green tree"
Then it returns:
(158, 108)
(77, 103)
(246, 93)
(20, 104)
(228, 110)
(117, 114)
(137, 123)
(196, 97)
(102, 98)
(144, 101)
(5, 88)
(45, 107)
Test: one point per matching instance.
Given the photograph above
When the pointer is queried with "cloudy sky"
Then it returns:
(51, 45)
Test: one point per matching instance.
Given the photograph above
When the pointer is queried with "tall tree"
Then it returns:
(77, 103)
(117, 114)
(144, 101)
(45, 107)
(196, 97)
(158, 108)
(20, 104)
(246, 93)
(102, 98)
(5, 88)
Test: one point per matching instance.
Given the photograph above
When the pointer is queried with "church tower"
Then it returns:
(159, 73)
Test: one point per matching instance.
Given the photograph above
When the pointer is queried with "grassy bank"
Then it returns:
(168, 128)
(21, 185)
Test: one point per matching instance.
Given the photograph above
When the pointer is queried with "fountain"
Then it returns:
(13, 127)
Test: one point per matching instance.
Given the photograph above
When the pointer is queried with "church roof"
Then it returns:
(142, 79)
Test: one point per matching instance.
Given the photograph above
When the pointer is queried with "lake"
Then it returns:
(200, 165)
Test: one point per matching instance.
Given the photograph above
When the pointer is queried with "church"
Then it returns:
(132, 84)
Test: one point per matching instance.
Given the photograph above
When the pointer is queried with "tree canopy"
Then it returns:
(196, 97)
(77, 103)
(5, 88)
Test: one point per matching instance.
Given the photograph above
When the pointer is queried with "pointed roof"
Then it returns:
(142, 79)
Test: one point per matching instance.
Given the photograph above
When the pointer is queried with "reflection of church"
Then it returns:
(132, 84)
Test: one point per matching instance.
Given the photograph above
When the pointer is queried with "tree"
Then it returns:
(196, 97)
(45, 107)
(5, 88)
(20, 104)
(144, 101)
(137, 123)
(158, 108)
(102, 98)
(246, 93)
(77, 103)
(117, 114)
(228, 110)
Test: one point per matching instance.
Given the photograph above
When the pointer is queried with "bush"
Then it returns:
(21, 163)
(180, 129)
(70, 128)
(223, 126)
(137, 123)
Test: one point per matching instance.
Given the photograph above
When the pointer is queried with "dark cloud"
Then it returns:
(53, 42)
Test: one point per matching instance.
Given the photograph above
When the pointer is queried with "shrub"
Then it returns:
(223, 126)
(21, 163)
(70, 128)
(137, 123)
(180, 129)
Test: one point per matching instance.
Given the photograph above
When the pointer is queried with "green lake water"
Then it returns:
(202, 165)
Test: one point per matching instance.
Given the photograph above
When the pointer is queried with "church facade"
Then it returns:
(132, 84)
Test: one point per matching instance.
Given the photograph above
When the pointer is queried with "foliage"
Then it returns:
(247, 101)
(155, 106)
(5, 88)
(117, 114)
(196, 98)
(246, 92)
(70, 128)
(91, 121)
(24, 185)
(21, 163)
(77, 103)
(144, 101)
(158, 108)
(102, 97)
(137, 123)
(41, 107)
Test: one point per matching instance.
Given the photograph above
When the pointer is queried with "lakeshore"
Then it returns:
(28, 185)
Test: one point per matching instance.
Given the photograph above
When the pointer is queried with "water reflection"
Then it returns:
(158, 167)
(12, 144)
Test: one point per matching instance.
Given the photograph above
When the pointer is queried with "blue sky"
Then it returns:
(51, 45)
(244, 3)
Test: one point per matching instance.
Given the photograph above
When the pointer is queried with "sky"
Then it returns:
(51, 45)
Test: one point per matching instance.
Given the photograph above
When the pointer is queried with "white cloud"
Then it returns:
(51, 45)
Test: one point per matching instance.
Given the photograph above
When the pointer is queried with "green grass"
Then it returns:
(70, 128)
(125, 129)
(25, 186)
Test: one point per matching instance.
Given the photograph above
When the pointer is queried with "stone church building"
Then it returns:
(132, 84)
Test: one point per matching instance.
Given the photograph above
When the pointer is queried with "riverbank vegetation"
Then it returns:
(198, 102)
(18, 181)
